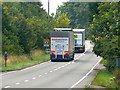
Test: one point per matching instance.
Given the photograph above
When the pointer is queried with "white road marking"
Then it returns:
(73, 62)
(59, 67)
(40, 75)
(33, 78)
(63, 66)
(69, 63)
(17, 83)
(7, 87)
(86, 74)
(51, 71)
(26, 80)
(55, 69)
(66, 64)
(45, 73)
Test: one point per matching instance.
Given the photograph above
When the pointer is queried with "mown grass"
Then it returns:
(105, 79)
(20, 62)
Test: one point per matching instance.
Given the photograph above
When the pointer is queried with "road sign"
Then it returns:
(46, 42)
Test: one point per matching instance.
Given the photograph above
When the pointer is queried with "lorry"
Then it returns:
(62, 44)
(79, 37)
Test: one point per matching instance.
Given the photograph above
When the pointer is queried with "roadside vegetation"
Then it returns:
(23, 61)
(104, 79)
(104, 31)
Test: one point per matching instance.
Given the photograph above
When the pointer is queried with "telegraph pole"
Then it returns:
(48, 11)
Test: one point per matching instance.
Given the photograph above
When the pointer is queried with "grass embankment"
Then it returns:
(105, 79)
(23, 61)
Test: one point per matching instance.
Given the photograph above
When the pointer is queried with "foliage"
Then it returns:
(79, 13)
(117, 78)
(105, 79)
(63, 21)
(24, 25)
(104, 33)
(23, 62)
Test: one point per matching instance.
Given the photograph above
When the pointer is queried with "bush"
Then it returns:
(117, 78)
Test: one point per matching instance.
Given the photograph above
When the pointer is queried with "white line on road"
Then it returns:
(86, 74)
(45, 73)
(26, 80)
(59, 67)
(55, 69)
(7, 86)
(73, 62)
(40, 75)
(33, 78)
(51, 71)
(17, 83)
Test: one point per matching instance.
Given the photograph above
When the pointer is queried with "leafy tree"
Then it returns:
(63, 21)
(104, 32)
(24, 26)
(79, 13)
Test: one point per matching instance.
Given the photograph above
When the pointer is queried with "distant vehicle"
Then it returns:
(79, 37)
(62, 44)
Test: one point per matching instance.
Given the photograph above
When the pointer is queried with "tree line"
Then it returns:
(25, 24)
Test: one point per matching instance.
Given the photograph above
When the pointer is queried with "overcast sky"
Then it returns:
(53, 5)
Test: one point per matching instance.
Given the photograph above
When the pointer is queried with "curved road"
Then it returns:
(54, 74)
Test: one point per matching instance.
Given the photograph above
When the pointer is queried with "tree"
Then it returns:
(63, 21)
(105, 26)
(24, 25)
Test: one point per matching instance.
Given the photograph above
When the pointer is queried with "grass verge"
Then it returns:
(25, 63)
(105, 79)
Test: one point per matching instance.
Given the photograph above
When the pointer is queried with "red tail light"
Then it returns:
(52, 53)
(66, 54)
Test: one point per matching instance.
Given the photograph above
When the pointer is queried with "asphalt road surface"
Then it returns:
(54, 74)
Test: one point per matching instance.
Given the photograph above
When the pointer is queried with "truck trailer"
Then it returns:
(79, 37)
(62, 44)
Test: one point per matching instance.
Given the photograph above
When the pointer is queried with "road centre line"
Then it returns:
(17, 83)
(50, 71)
(33, 78)
(55, 69)
(40, 75)
(7, 87)
(86, 74)
(26, 80)
(45, 73)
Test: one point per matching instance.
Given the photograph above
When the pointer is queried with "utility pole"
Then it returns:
(48, 11)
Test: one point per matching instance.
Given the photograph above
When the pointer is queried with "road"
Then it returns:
(54, 74)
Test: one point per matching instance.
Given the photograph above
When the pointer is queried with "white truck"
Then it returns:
(79, 37)
(62, 44)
